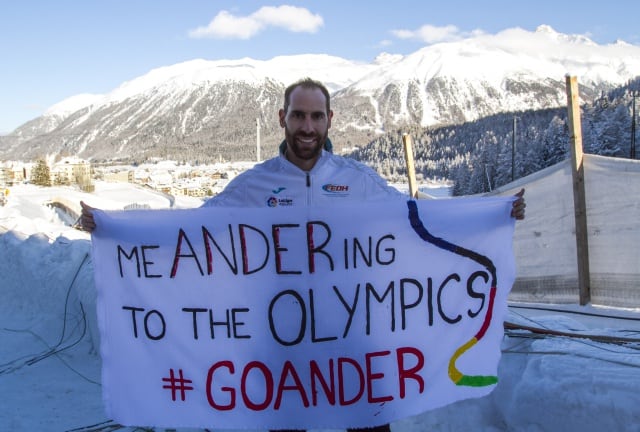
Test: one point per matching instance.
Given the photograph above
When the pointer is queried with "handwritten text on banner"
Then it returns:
(300, 318)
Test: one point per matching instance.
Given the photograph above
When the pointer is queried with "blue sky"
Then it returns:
(51, 50)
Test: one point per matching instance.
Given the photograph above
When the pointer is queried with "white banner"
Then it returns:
(300, 318)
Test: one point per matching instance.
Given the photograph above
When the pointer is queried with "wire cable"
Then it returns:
(16, 364)
(549, 309)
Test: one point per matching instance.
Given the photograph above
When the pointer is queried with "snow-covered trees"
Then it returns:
(478, 155)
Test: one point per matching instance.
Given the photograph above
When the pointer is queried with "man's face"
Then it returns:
(306, 125)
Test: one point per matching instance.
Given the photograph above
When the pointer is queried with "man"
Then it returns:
(306, 172)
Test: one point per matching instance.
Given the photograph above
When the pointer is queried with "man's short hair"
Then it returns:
(307, 83)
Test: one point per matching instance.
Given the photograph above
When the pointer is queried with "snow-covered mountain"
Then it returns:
(201, 109)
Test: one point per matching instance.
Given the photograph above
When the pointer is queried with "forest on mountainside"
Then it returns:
(477, 156)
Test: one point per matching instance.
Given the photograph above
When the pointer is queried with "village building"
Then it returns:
(72, 171)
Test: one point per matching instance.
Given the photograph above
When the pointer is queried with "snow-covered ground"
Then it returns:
(50, 368)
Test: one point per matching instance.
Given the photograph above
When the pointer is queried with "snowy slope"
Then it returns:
(511, 71)
(534, 56)
(212, 105)
(334, 71)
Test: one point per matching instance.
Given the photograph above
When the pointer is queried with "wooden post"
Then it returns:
(411, 169)
(579, 199)
(257, 139)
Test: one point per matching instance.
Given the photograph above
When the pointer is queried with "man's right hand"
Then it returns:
(86, 217)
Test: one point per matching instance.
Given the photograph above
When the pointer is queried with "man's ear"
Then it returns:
(329, 117)
(282, 115)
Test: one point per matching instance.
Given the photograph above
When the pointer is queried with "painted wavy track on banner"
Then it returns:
(454, 373)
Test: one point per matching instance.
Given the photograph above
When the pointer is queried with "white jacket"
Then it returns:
(279, 183)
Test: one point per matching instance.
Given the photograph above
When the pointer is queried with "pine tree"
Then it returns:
(40, 175)
(555, 142)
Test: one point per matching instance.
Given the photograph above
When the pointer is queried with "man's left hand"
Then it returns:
(517, 211)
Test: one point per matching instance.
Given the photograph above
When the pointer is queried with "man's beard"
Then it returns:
(305, 153)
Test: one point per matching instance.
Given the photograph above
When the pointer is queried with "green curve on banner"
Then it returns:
(477, 380)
